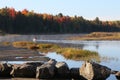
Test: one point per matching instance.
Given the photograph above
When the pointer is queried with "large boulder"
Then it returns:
(25, 70)
(62, 70)
(74, 73)
(94, 71)
(5, 69)
(47, 70)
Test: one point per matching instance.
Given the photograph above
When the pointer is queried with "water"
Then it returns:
(108, 49)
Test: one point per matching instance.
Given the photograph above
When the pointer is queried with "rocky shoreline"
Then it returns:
(57, 70)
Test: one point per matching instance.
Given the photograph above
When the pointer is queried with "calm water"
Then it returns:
(108, 49)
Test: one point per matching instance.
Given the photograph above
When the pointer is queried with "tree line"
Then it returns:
(29, 22)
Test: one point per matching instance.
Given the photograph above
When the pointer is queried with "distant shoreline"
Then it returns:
(98, 36)
(95, 36)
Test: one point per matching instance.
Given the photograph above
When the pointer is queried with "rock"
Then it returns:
(74, 73)
(35, 64)
(113, 71)
(25, 70)
(94, 71)
(5, 69)
(62, 70)
(117, 75)
(47, 70)
(52, 61)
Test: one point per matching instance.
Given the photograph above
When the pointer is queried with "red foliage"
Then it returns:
(63, 19)
(12, 12)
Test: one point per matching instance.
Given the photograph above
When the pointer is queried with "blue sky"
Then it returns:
(89, 9)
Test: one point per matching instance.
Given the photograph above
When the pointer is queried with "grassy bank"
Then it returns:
(69, 53)
(78, 54)
(99, 36)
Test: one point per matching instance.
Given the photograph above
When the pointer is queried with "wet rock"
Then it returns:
(5, 69)
(94, 71)
(47, 70)
(25, 70)
(62, 70)
(74, 73)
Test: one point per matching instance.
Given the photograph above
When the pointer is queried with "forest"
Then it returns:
(30, 22)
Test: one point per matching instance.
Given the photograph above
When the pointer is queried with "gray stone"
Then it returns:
(94, 71)
(47, 70)
(62, 70)
(5, 69)
(74, 73)
(35, 64)
(25, 70)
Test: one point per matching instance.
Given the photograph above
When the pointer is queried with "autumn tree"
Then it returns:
(29, 22)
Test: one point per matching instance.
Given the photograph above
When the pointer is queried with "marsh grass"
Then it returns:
(69, 53)
(5, 43)
(47, 47)
(22, 44)
(35, 46)
(78, 54)
(99, 36)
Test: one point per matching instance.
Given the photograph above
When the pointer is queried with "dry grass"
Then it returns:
(34, 46)
(22, 44)
(99, 36)
(77, 54)
(70, 53)
(5, 43)
(47, 47)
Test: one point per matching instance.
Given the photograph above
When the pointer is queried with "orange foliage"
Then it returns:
(25, 11)
(110, 23)
(49, 17)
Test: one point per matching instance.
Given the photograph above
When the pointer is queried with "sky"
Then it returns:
(89, 9)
